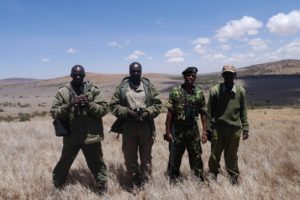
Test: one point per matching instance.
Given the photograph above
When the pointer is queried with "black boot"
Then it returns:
(101, 187)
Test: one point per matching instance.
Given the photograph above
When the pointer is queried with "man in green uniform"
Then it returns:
(135, 103)
(81, 105)
(185, 104)
(227, 121)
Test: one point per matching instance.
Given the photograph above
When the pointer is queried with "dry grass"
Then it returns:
(269, 163)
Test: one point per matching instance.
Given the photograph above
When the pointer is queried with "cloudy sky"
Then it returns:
(45, 38)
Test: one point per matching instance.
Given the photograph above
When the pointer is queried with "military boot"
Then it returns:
(101, 188)
(234, 180)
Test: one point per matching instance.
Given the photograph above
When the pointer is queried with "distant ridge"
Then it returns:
(17, 80)
(283, 67)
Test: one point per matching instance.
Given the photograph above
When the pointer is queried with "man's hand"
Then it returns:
(75, 101)
(245, 135)
(144, 115)
(168, 137)
(83, 100)
(204, 137)
(132, 114)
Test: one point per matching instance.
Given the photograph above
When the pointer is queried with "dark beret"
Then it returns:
(190, 70)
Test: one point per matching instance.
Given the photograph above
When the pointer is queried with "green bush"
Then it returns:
(24, 117)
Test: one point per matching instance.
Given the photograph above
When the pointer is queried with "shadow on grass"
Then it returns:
(120, 172)
(81, 176)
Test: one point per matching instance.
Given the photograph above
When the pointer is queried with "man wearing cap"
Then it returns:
(186, 103)
(82, 106)
(136, 103)
(227, 121)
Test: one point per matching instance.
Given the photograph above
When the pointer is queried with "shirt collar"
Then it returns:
(223, 88)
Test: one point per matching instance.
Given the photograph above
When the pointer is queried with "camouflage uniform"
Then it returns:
(85, 124)
(227, 119)
(138, 136)
(186, 109)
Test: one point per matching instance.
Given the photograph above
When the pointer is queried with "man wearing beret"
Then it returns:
(227, 121)
(186, 103)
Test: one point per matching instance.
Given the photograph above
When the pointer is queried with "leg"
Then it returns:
(60, 172)
(217, 147)
(145, 143)
(230, 153)
(194, 152)
(94, 158)
(130, 148)
(179, 148)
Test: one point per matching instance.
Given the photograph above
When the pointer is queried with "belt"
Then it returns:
(185, 122)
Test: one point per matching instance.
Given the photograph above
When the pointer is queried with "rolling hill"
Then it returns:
(267, 84)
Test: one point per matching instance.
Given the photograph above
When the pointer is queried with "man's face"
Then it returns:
(78, 75)
(228, 77)
(135, 72)
(190, 78)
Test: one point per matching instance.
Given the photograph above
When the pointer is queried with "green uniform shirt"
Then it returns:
(119, 102)
(184, 106)
(227, 108)
(85, 123)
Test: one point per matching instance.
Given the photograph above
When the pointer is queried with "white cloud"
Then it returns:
(45, 60)
(291, 50)
(201, 40)
(200, 49)
(214, 56)
(285, 24)
(240, 58)
(114, 44)
(127, 42)
(135, 55)
(174, 55)
(177, 52)
(175, 60)
(236, 29)
(258, 44)
(71, 51)
(225, 47)
(200, 45)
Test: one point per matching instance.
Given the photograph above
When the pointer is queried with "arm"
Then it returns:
(210, 111)
(115, 105)
(244, 116)
(98, 107)
(203, 115)
(60, 108)
(169, 134)
(156, 104)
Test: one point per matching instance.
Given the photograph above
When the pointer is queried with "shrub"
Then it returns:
(24, 117)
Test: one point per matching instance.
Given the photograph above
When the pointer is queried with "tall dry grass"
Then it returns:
(269, 163)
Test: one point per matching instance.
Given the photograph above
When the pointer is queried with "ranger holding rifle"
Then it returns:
(185, 104)
(81, 105)
(135, 103)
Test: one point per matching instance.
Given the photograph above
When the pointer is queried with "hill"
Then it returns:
(267, 84)
(283, 67)
(16, 80)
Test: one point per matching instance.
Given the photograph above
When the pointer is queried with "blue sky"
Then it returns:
(45, 38)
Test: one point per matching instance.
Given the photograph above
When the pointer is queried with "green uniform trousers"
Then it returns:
(137, 139)
(227, 139)
(94, 158)
(187, 138)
